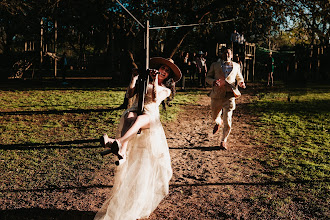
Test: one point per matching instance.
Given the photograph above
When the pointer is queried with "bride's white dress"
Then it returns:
(143, 180)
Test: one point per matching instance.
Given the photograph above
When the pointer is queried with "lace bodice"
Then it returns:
(152, 106)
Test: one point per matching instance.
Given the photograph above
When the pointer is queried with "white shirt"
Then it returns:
(227, 68)
(234, 37)
(241, 39)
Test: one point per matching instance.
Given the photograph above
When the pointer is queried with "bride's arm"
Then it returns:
(155, 88)
(158, 95)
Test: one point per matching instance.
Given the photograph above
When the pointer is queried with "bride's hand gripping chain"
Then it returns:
(154, 88)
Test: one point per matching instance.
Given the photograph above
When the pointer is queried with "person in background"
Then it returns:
(202, 68)
(238, 60)
(234, 38)
(270, 69)
(241, 43)
(193, 67)
(64, 67)
(184, 69)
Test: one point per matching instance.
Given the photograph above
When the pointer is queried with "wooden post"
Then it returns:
(217, 50)
(41, 40)
(295, 63)
(55, 50)
(319, 53)
(245, 63)
(254, 59)
(108, 37)
(248, 67)
(311, 58)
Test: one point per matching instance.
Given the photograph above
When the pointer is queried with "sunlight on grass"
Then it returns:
(297, 129)
(39, 130)
(38, 100)
(294, 124)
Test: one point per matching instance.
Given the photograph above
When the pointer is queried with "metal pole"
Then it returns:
(189, 25)
(130, 13)
(147, 45)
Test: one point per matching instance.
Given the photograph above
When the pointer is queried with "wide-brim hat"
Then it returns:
(156, 62)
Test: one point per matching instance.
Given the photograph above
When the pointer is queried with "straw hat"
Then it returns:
(156, 62)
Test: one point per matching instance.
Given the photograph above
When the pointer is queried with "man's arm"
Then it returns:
(239, 78)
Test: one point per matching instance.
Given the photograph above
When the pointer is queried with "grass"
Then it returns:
(294, 124)
(49, 137)
(297, 130)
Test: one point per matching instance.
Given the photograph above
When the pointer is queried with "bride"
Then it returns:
(144, 165)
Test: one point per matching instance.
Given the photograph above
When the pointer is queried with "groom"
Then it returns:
(222, 76)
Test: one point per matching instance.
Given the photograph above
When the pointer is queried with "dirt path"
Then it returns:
(209, 183)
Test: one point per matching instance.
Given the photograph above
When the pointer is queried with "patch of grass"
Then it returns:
(47, 136)
(299, 132)
(181, 98)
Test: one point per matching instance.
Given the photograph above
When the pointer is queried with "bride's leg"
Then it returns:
(141, 122)
(130, 118)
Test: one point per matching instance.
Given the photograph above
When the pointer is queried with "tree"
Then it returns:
(11, 22)
(102, 26)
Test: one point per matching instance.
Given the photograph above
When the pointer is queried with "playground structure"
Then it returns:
(36, 52)
(20, 67)
(249, 60)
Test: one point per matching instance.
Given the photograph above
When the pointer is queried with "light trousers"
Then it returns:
(223, 107)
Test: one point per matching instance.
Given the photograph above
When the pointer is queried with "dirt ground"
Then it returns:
(207, 183)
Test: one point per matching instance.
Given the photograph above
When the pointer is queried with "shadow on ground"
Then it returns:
(45, 214)
(52, 145)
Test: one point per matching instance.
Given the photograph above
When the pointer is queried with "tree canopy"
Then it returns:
(95, 26)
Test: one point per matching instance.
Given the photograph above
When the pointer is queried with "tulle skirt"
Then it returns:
(143, 180)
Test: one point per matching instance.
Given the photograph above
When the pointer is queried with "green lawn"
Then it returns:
(294, 125)
(49, 137)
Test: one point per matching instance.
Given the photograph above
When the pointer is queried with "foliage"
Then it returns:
(307, 23)
(289, 39)
(95, 28)
(313, 17)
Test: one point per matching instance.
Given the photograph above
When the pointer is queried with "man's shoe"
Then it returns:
(224, 146)
(216, 128)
